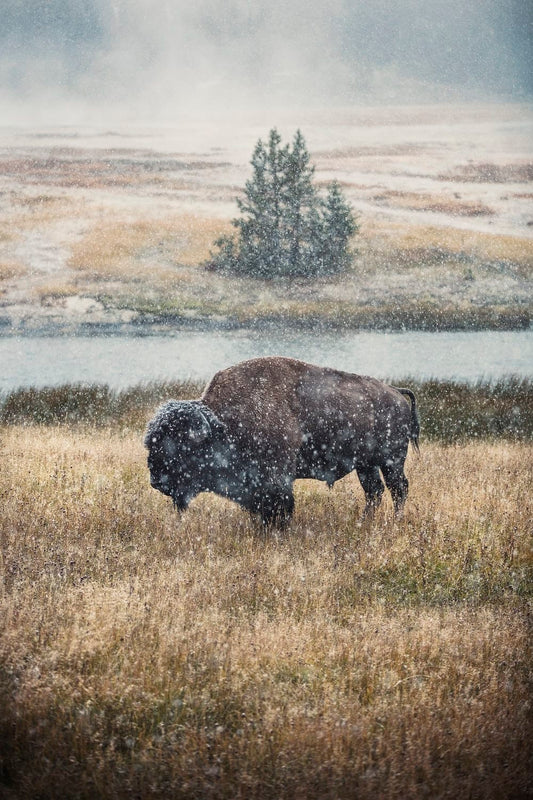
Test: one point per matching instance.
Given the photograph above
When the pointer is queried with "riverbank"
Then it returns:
(384, 320)
(128, 280)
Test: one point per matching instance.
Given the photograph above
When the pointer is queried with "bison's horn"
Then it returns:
(202, 429)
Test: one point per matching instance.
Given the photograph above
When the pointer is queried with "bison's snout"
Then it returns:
(162, 484)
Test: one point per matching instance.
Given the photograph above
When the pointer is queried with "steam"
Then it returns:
(164, 58)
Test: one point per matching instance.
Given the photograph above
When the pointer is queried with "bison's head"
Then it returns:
(182, 442)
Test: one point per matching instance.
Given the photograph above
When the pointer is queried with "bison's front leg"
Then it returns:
(275, 506)
(373, 488)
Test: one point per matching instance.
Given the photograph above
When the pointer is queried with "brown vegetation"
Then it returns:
(151, 249)
(437, 203)
(86, 170)
(10, 269)
(151, 656)
(492, 173)
(450, 411)
(420, 243)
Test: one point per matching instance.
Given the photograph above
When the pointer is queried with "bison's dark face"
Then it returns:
(182, 442)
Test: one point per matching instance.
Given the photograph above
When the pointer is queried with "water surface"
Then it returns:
(122, 361)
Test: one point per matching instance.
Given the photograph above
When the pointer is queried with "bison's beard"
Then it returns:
(181, 501)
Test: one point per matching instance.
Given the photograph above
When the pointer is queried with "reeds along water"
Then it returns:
(450, 411)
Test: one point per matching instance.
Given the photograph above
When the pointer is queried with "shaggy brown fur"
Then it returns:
(265, 422)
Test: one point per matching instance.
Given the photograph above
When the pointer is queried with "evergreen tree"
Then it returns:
(337, 228)
(300, 200)
(286, 229)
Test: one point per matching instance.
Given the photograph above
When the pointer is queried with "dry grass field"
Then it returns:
(143, 655)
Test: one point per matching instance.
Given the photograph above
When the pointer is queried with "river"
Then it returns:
(122, 361)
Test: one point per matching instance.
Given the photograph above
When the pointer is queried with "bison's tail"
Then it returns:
(415, 419)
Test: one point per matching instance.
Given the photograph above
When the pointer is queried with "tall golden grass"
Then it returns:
(10, 269)
(155, 248)
(154, 656)
(155, 268)
(419, 243)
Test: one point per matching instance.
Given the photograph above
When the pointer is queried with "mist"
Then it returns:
(145, 60)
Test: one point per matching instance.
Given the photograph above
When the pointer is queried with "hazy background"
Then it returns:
(65, 60)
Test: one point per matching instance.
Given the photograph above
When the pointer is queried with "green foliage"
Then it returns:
(287, 229)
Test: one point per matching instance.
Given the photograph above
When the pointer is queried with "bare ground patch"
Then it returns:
(364, 151)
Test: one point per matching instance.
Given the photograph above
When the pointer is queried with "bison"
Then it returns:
(264, 423)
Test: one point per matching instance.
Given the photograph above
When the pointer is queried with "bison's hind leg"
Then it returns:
(373, 488)
(397, 484)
